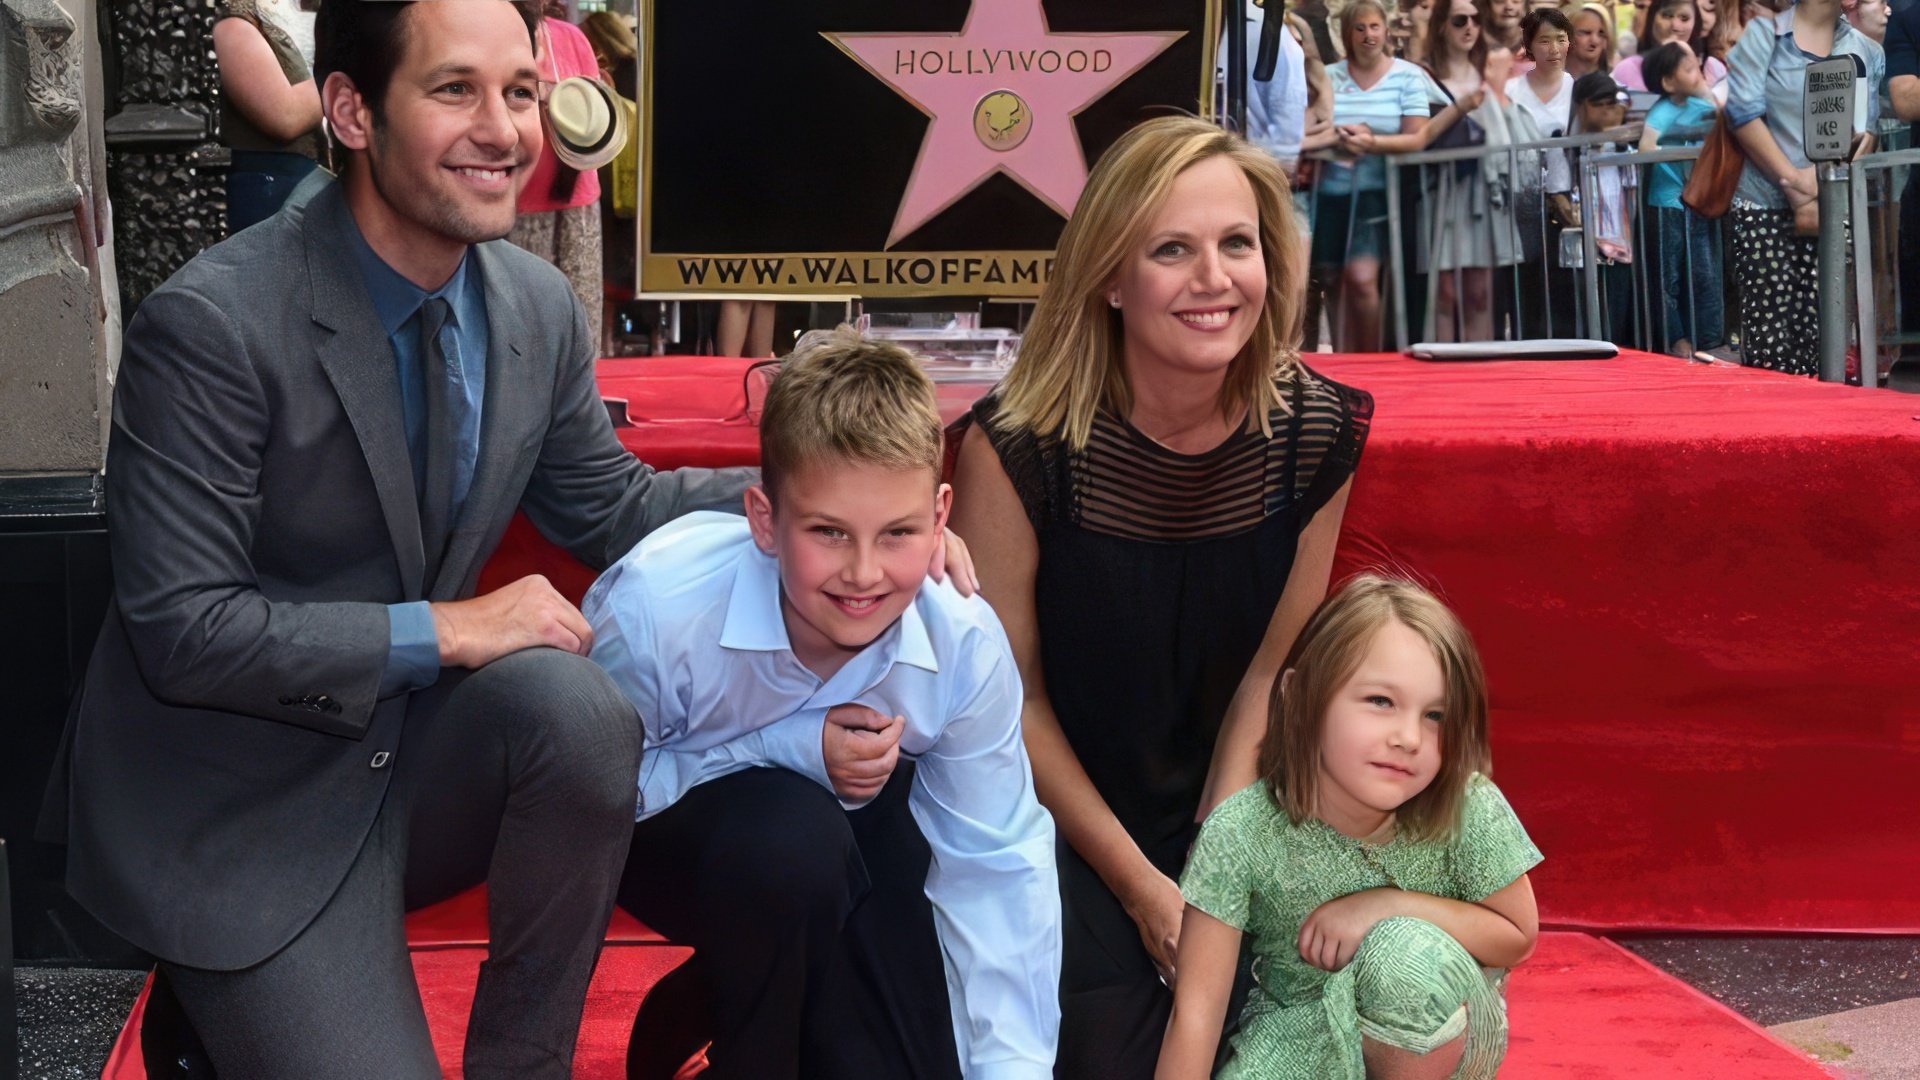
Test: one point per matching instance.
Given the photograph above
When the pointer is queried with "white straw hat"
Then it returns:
(586, 123)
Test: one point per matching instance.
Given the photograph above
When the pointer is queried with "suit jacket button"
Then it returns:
(380, 760)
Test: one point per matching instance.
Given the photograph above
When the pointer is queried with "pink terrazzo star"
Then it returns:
(1004, 47)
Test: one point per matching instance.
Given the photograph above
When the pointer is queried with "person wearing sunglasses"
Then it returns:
(1465, 230)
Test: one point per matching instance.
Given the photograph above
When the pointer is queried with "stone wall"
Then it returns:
(52, 379)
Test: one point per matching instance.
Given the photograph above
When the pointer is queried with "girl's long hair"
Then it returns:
(1329, 650)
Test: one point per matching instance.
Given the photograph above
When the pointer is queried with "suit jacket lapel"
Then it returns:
(504, 427)
(359, 361)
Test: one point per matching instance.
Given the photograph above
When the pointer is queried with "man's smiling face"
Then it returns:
(460, 125)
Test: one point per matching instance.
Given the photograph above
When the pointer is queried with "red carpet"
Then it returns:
(1581, 1009)
(1696, 588)
(1587, 1009)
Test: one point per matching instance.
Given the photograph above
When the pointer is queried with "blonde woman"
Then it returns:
(1592, 46)
(1154, 493)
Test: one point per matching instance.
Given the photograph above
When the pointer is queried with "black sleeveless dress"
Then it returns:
(1158, 574)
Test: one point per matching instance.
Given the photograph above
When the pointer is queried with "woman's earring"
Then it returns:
(1113, 299)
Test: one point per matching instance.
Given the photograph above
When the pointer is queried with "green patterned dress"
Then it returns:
(1254, 870)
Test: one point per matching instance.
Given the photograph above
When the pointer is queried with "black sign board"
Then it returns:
(788, 148)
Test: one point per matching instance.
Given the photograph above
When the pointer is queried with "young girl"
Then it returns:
(1381, 874)
(1689, 245)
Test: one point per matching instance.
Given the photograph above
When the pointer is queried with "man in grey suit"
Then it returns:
(299, 720)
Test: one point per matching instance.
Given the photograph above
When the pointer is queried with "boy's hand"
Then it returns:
(1332, 933)
(861, 748)
(950, 556)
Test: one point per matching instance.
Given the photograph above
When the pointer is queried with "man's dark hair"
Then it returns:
(364, 40)
(1661, 63)
(1539, 17)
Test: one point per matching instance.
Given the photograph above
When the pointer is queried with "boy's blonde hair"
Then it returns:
(849, 399)
(1070, 358)
(1326, 655)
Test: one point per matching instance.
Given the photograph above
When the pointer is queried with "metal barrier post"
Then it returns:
(1834, 182)
(1869, 323)
(1591, 320)
(1396, 271)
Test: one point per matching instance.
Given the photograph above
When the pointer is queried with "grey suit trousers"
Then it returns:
(521, 774)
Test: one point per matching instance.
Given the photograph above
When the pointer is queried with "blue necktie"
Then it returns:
(436, 493)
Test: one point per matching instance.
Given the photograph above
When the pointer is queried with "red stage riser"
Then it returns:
(1696, 592)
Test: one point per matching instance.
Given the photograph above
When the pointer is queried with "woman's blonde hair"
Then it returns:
(1573, 13)
(1070, 362)
(1328, 652)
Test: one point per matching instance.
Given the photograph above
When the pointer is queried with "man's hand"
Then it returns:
(528, 613)
(950, 556)
(861, 748)
(1332, 933)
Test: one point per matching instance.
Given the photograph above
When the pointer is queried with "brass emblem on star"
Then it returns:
(1002, 120)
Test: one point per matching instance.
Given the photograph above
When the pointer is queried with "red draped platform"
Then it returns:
(1697, 589)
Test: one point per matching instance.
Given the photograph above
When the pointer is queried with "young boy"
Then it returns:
(736, 639)
(1689, 250)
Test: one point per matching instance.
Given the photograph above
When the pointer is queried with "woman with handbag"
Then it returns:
(1467, 222)
(1775, 212)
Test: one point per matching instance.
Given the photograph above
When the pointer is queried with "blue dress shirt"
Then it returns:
(413, 651)
(688, 624)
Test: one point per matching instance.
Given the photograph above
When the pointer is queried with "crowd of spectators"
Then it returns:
(1492, 243)
(1492, 246)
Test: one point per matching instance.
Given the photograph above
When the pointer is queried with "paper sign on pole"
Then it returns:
(1829, 109)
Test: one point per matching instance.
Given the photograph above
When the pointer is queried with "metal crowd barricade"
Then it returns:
(1515, 173)
(1648, 327)
(1877, 183)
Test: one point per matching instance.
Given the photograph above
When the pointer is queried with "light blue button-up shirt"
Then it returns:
(689, 626)
(1768, 73)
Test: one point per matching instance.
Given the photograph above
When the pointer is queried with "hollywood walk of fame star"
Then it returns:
(964, 81)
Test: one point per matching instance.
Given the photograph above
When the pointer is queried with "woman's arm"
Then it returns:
(250, 76)
(1747, 113)
(1237, 751)
(1363, 141)
(1452, 113)
(1209, 950)
(987, 511)
(1498, 931)
(1649, 138)
(1757, 140)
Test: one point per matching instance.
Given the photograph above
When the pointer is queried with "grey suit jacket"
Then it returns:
(218, 780)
